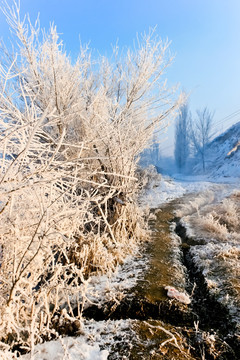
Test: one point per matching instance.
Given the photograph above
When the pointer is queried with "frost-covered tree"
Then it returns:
(182, 140)
(71, 135)
(201, 128)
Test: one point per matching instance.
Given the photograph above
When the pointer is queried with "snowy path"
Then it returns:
(165, 189)
(98, 337)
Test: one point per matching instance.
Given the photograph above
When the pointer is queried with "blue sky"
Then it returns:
(204, 35)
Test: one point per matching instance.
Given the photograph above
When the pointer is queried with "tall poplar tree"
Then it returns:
(182, 140)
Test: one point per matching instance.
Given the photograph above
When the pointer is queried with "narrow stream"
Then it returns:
(164, 328)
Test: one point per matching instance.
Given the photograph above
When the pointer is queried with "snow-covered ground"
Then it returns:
(223, 154)
(72, 348)
(212, 219)
(89, 346)
(97, 338)
(164, 189)
(115, 286)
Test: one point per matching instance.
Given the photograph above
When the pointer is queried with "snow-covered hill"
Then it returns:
(223, 154)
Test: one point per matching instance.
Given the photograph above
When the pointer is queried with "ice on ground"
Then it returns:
(115, 285)
(67, 348)
(94, 344)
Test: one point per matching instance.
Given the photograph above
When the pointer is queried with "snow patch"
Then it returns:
(67, 348)
(165, 189)
(96, 343)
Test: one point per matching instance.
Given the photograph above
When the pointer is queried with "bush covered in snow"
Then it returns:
(70, 140)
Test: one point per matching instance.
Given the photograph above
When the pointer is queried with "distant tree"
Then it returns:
(201, 133)
(154, 151)
(151, 155)
(182, 140)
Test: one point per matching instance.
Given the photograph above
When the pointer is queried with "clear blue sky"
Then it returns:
(205, 36)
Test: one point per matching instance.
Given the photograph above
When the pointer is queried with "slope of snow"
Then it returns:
(223, 155)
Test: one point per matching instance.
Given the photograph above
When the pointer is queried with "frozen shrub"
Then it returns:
(230, 214)
(70, 141)
(193, 206)
(210, 223)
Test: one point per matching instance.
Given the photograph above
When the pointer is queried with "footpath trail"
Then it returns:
(185, 258)
(159, 327)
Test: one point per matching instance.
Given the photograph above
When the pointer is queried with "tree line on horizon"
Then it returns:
(192, 136)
